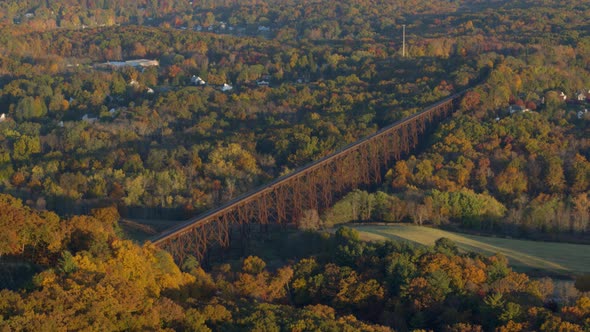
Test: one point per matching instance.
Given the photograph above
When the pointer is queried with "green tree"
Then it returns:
(24, 147)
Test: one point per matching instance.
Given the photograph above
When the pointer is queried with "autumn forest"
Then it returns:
(119, 119)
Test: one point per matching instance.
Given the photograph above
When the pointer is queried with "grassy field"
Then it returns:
(524, 255)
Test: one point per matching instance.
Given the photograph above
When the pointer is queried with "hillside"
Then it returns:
(127, 116)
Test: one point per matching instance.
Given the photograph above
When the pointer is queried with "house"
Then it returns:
(87, 118)
(149, 90)
(581, 96)
(582, 114)
(133, 83)
(196, 80)
(301, 80)
(226, 87)
(2, 117)
(262, 28)
(114, 111)
(517, 109)
(262, 83)
(562, 95)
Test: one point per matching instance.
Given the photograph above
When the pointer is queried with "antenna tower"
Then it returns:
(404, 41)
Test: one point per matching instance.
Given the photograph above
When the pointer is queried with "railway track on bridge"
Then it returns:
(313, 186)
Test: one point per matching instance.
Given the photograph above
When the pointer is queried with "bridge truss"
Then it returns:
(315, 186)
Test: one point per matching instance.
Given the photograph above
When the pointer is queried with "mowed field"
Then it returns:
(524, 255)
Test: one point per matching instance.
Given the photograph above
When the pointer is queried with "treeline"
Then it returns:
(41, 238)
(316, 20)
(97, 280)
(437, 207)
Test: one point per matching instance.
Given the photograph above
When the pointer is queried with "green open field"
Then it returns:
(524, 255)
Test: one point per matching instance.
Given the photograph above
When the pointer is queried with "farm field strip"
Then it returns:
(561, 258)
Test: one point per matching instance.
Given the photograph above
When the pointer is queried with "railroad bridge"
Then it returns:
(314, 186)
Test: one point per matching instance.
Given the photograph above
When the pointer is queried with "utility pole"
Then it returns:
(404, 42)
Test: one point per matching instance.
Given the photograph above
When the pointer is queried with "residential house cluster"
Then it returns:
(198, 81)
(219, 27)
(223, 27)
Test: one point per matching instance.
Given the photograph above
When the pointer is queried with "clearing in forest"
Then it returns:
(523, 255)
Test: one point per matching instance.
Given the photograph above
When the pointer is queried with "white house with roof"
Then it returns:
(2, 117)
(196, 80)
(226, 87)
(88, 119)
